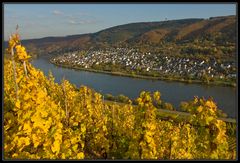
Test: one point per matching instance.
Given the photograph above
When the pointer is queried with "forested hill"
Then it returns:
(189, 36)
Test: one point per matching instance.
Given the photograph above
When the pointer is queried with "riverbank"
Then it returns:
(181, 116)
(172, 92)
(220, 83)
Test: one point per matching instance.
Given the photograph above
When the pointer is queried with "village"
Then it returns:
(134, 60)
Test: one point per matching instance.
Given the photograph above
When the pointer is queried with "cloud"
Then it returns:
(77, 22)
(83, 14)
(57, 12)
(74, 22)
(76, 18)
(76, 15)
(70, 16)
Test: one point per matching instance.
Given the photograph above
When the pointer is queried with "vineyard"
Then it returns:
(46, 120)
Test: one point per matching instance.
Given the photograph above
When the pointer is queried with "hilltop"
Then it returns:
(215, 36)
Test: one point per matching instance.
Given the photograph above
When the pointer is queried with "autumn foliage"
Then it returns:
(46, 120)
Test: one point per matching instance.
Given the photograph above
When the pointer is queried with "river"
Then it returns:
(172, 92)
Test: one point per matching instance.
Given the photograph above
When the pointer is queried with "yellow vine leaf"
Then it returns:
(80, 155)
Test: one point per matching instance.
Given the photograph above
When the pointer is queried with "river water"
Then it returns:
(172, 92)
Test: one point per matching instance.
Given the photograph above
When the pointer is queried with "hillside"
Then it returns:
(48, 120)
(193, 34)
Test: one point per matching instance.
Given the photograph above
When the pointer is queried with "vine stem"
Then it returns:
(14, 72)
(65, 100)
(25, 68)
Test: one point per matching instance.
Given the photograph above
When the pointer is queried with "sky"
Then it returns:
(44, 20)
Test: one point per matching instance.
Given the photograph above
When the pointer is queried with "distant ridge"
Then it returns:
(219, 29)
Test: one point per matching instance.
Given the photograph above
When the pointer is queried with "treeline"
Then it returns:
(124, 99)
